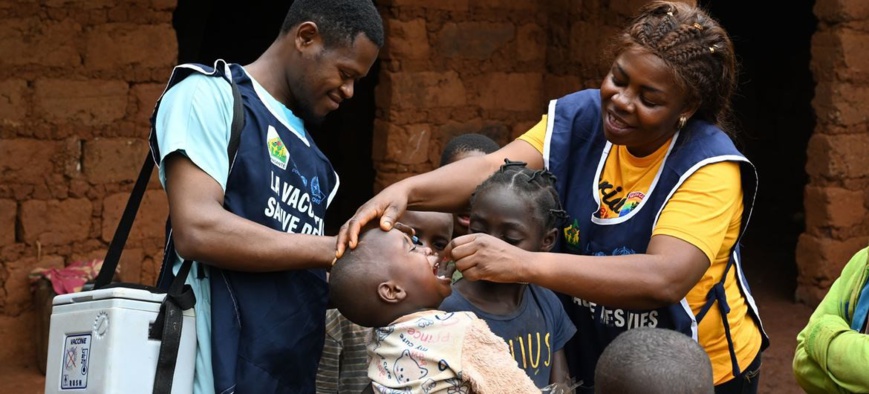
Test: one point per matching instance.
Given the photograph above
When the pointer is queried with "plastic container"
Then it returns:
(98, 343)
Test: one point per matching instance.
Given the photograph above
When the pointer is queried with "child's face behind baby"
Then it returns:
(413, 267)
(434, 229)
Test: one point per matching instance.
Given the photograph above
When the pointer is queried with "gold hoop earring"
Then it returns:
(682, 121)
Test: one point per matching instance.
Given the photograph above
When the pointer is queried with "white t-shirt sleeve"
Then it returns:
(194, 119)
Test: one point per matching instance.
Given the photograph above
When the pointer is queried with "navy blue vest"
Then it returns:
(267, 328)
(575, 151)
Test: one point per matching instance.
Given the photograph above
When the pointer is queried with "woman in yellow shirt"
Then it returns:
(658, 197)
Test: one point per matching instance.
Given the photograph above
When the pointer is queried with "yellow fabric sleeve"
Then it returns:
(706, 210)
(536, 136)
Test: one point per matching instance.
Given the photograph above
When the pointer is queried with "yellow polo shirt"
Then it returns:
(706, 211)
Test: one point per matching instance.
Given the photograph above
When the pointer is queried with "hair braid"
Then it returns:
(538, 186)
(696, 48)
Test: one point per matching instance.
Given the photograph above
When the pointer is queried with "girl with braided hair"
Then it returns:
(519, 206)
(657, 194)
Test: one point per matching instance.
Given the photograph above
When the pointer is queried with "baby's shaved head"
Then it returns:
(653, 360)
(354, 279)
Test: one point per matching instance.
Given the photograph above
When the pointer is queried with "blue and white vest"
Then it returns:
(575, 151)
(267, 328)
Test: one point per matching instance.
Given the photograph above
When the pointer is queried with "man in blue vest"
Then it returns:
(251, 219)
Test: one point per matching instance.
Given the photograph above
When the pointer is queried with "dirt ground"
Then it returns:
(782, 319)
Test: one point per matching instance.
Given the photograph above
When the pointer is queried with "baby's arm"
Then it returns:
(488, 366)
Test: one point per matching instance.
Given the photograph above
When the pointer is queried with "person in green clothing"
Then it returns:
(832, 354)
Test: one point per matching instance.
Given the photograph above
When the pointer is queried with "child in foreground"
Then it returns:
(521, 207)
(344, 364)
(653, 361)
(390, 283)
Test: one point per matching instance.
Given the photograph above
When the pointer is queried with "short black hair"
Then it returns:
(339, 21)
(353, 283)
(467, 143)
(653, 360)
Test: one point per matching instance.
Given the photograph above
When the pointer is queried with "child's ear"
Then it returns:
(549, 240)
(391, 292)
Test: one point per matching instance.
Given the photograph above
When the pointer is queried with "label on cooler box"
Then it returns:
(76, 355)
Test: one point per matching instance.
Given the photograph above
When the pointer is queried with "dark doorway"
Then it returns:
(239, 32)
(775, 120)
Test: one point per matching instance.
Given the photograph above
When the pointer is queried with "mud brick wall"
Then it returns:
(489, 66)
(78, 81)
(837, 196)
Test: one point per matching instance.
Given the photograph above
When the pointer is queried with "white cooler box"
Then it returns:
(98, 343)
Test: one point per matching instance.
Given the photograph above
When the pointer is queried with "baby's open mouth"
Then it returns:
(444, 270)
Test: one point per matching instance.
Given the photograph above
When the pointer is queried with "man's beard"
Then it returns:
(308, 116)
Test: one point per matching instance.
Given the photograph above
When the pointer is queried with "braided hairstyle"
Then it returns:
(538, 186)
(696, 48)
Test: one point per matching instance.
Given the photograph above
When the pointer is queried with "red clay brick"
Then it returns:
(509, 91)
(84, 5)
(401, 144)
(150, 269)
(118, 45)
(855, 52)
(838, 156)
(587, 43)
(93, 102)
(488, 5)
(406, 90)
(406, 40)
(826, 56)
(531, 43)
(150, 221)
(841, 10)
(164, 5)
(34, 41)
(27, 161)
(473, 40)
(55, 222)
(20, 348)
(8, 214)
(834, 207)
(146, 96)
(130, 266)
(17, 285)
(71, 158)
(13, 104)
(107, 160)
(820, 260)
(851, 104)
(556, 86)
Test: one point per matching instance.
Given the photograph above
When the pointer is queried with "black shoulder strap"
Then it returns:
(110, 263)
(167, 326)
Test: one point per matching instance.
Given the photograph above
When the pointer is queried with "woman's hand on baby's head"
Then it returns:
(388, 205)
